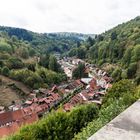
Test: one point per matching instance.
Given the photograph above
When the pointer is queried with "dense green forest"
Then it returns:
(119, 46)
(20, 61)
(47, 42)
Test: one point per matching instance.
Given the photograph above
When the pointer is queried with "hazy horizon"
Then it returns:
(79, 16)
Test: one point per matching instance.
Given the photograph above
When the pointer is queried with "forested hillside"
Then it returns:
(26, 56)
(20, 61)
(119, 46)
(50, 42)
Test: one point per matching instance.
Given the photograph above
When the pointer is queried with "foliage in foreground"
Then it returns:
(120, 96)
(58, 125)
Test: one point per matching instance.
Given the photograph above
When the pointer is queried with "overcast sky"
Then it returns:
(85, 16)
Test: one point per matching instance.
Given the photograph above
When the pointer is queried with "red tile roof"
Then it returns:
(78, 81)
(10, 116)
(107, 79)
(76, 99)
(12, 120)
(67, 107)
(56, 96)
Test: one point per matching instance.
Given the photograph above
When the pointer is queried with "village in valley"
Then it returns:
(67, 95)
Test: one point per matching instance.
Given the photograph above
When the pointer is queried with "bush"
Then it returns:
(4, 47)
(116, 75)
(58, 125)
(24, 53)
(5, 71)
(105, 115)
(14, 63)
(132, 70)
(120, 89)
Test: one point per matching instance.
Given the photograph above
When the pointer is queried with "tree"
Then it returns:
(124, 74)
(5, 71)
(79, 72)
(132, 70)
(91, 41)
(1, 63)
(32, 52)
(100, 38)
(53, 64)
(72, 52)
(34, 81)
(44, 60)
(78, 44)
(31, 67)
(136, 53)
(116, 75)
(113, 35)
(5, 47)
(127, 56)
(137, 80)
(65, 125)
(14, 38)
(24, 53)
(81, 53)
(14, 63)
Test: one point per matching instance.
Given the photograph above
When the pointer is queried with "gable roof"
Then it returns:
(10, 116)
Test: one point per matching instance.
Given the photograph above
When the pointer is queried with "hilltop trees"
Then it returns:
(113, 35)
(90, 41)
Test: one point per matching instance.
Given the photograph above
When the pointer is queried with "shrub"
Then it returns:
(5, 71)
(14, 63)
(4, 47)
(58, 125)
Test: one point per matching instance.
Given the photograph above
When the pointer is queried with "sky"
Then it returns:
(83, 16)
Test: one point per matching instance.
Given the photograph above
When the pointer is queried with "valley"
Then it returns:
(74, 82)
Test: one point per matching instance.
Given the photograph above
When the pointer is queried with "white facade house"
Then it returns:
(101, 82)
